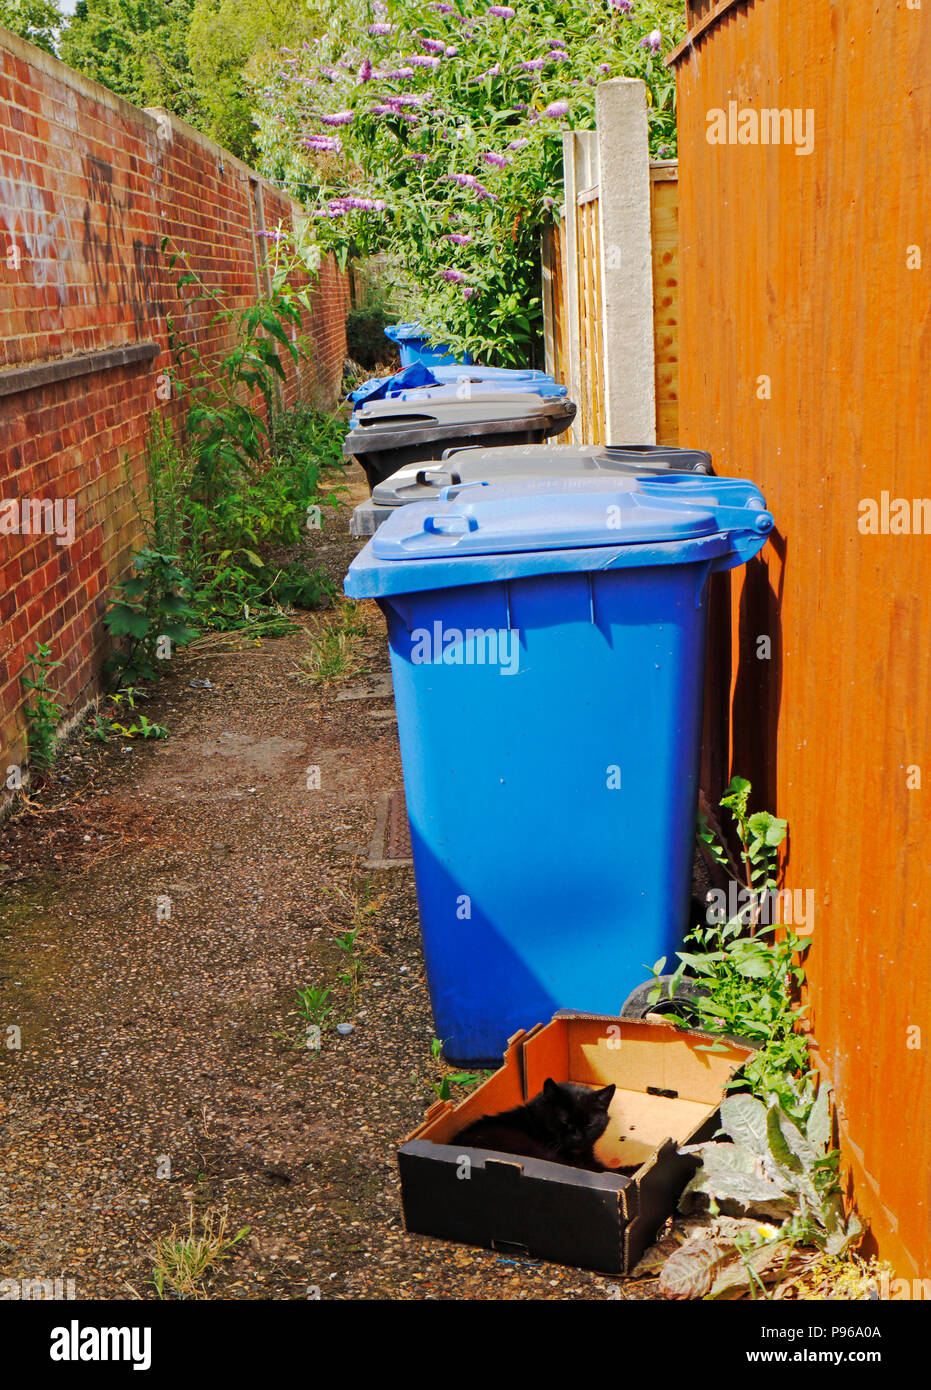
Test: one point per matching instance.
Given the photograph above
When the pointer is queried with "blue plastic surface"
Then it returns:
(549, 713)
(450, 379)
(412, 345)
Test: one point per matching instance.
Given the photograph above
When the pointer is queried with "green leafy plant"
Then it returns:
(450, 1079)
(351, 975)
(102, 726)
(750, 968)
(771, 1189)
(152, 611)
(313, 1004)
(43, 711)
(335, 647)
(241, 476)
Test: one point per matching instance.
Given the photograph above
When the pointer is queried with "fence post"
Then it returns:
(626, 261)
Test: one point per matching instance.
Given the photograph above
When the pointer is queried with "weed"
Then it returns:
(335, 650)
(153, 611)
(313, 1004)
(453, 1078)
(44, 712)
(751, 971)
(186, 1256)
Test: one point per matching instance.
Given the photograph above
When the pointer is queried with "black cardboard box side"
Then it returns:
(577, 1219)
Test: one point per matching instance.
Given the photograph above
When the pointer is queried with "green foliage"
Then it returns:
(235, 483)
(190, 56)
(313, 1004)
(224, 38)
(365, 335)
(751, 968)
(771, 1170)
(453, 1078)
(137, 48)
(152, 611)
(43, 712)
(35, 20)
(103, 726)
(432, 137)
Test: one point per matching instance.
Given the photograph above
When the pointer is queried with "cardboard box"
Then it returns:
(668, 1093)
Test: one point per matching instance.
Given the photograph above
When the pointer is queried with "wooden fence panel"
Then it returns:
(664, 221)
(591, 321)
(805, 366)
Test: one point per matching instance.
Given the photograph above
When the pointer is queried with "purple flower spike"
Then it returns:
(501, 11)
(454, 277)
(459, 238)
(365, 71)
(559, 55)
(451, 51)
(556, 109)
(468, 291)
(500, 161)
(532, 65)
(520, 144)
(433, 45)
(380, 29)
(339, 118)
(625, 6)
(321, 142)
(653, 40)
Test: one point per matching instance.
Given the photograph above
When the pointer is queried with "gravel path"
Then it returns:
(159, 909)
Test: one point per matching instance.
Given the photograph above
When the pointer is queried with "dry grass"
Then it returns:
(337, 646)
(185, 1257)
(832, 1277)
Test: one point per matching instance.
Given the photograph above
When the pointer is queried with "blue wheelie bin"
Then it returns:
(547, 646)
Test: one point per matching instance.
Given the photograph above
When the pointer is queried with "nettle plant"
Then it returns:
(433, 130)
(747, 964)
(43, 710)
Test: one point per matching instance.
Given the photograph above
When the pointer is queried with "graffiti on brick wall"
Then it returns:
(123, 270)
(36, 233)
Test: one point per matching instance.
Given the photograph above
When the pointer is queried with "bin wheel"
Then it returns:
(639, 1002)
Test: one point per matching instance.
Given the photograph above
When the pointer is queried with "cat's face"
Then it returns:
(581, 1115)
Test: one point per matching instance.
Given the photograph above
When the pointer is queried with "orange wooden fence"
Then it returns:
(806, 358)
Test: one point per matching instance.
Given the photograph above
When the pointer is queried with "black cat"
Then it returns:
(560, 1124)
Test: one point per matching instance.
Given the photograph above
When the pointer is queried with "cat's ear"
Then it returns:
(604, 1098)
(551, 1089)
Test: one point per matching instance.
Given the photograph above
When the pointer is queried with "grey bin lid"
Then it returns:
(511, 463)
(392, 424)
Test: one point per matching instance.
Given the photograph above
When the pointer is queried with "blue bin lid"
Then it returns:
(406, 332)
(479, 531)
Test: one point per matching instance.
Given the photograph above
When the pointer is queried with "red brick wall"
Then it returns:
(89, 186)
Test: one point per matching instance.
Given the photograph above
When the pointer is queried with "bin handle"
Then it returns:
(425, 475)
(447, 494)
(451, 524)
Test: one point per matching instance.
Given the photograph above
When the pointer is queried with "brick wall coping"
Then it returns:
(14, 379)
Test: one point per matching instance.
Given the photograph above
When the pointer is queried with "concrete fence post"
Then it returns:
(626, 261)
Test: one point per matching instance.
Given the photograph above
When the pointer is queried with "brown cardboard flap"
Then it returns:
(633, 1054)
